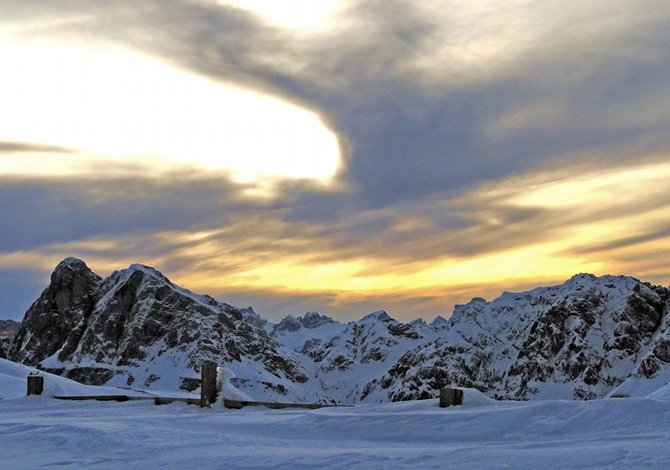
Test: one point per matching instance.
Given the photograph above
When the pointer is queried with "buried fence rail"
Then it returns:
(208, 394)
(122, 398)
(239, 404)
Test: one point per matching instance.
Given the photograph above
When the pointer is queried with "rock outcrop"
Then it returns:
(8, 330)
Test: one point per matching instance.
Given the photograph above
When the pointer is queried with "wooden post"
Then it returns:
(35, 385)
(208, 384)
(450, 396)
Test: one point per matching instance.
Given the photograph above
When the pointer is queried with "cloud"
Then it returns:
(124, 110)
(433, 97)
(9, 147)
(46, 211)
(512, 230)
(479, 140)
(625, 242)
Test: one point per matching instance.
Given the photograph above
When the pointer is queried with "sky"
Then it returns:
(335, 156)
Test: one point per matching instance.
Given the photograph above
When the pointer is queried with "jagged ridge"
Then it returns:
(586, 338)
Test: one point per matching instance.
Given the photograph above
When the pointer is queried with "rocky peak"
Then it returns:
(378, 316)
(472, 308)
(58, 313)
(313, 320)
(71, 281)
(149, 272)
(9, 326)
(135, 275)
(288, 323)
(581, 277)
(70, 264)
(251, 317)
(310, 321)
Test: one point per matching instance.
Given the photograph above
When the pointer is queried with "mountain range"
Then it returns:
(588, 338)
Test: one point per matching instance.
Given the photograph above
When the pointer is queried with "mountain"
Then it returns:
(345, 359)
(136, 328)
(581, 340)
(8, 330)
(589, 337)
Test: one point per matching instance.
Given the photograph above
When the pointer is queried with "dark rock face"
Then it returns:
(310, 321)
(58, 318)
(424, 370)
(288, 323)
(8, 330)
(657, 353)
(556, 345)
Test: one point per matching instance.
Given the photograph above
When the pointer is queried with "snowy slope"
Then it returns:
(552, 434)
(346, 362)
(13, 379)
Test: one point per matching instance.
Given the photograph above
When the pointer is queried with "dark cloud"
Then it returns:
(46, 211)
(27, 147)
(624, 242)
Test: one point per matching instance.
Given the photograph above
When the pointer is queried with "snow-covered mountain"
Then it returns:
(589, 337)
(578, 340)
(136, 328)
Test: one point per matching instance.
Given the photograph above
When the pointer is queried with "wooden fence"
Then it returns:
(208, 395)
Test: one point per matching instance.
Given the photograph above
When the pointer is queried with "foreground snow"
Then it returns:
(611, 433)
(13, 384)
(629, 433)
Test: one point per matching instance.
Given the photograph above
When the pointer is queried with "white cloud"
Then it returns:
(118, 107)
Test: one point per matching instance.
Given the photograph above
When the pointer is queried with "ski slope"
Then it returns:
(41, 432)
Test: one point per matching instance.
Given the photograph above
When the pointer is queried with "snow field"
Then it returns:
(41, 432)
(630, 433)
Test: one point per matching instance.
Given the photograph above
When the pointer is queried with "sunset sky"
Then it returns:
(335, 156)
